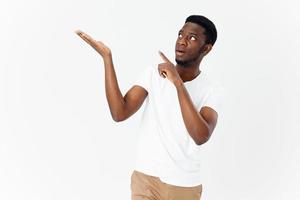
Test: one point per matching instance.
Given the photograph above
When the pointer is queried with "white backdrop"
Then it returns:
(57, 138)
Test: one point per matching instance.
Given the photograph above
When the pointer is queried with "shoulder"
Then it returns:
(213, 92)
(212, 83)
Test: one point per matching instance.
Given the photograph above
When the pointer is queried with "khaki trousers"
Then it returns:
(146, 187)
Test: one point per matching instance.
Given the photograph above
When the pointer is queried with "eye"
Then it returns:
(179, 35)
(193, 38)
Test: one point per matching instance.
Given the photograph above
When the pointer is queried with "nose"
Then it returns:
(182, 41)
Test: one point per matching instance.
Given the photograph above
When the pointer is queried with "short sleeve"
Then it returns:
(215, 98)
(144, 78)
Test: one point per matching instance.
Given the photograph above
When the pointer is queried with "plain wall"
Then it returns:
(57, 138)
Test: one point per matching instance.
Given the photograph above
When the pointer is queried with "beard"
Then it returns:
(186, 63)
(183, 63)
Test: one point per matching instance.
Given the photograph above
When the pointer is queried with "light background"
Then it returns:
(57, 138)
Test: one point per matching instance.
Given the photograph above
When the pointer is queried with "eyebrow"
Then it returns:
(191, 33)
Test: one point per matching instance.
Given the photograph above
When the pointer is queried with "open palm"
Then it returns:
(99, 46)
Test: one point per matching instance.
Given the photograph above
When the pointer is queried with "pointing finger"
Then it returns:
(164, 57)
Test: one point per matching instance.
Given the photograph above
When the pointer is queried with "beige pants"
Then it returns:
(145, 187)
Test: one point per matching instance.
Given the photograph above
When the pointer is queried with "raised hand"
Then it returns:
(167, 70)
(101, 48)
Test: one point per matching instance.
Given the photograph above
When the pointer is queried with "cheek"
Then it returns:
(201, 49)
(196, 50)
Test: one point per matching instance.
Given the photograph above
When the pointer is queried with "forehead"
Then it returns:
(193, 28)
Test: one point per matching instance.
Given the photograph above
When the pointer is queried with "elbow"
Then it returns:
(200, 142)
(204, 137)
(118, 117)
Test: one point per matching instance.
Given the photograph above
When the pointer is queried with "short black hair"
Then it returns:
(210, 29)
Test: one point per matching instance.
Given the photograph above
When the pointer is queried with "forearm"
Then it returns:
(196, 126)
(114, 96)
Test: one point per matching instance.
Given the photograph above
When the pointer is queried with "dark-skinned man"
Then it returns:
(180, 114)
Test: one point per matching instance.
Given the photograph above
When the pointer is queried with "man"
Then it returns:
(180, 114)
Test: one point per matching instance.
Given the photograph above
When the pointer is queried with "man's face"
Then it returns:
(189, 44)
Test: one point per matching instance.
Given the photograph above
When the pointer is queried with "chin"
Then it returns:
(182, 63)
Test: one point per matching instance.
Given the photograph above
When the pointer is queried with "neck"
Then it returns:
(188, 73)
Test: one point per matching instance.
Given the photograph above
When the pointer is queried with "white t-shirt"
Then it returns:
(165, 149)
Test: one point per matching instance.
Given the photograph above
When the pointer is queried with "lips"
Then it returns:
(179, 52)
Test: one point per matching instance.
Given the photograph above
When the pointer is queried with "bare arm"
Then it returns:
(120, 107)
(199, 124)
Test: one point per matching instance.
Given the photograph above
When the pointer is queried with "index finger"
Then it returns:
(164, 57)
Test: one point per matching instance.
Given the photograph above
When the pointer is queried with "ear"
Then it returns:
(206, 49)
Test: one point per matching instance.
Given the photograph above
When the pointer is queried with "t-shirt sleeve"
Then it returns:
(143, 79)
(215, 98)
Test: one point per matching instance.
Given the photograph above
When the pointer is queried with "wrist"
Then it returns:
(178, 83)
(107, 55)
(107, 60)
